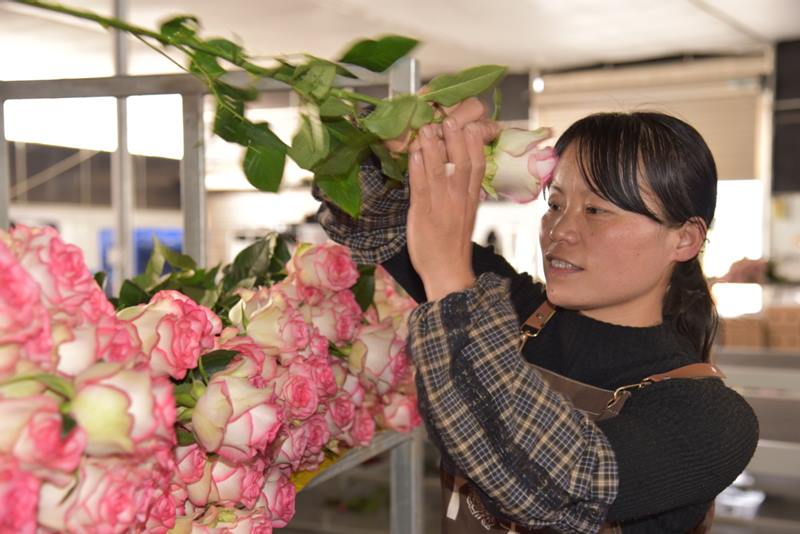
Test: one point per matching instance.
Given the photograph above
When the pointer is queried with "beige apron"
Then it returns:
(462, 510)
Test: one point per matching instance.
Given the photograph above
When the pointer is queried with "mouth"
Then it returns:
(561, 265)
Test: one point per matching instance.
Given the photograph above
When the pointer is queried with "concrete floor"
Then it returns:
(358, 503)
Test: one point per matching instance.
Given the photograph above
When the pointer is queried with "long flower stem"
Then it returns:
(142, 33)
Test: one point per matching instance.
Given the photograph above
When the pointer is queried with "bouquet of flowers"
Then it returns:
(171, 415)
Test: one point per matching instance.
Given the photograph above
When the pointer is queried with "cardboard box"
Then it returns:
(783, 327)
(744, 331)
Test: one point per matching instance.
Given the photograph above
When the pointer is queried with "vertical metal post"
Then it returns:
(407, 459)
(193, 188)
(5, 171)
(121, 169)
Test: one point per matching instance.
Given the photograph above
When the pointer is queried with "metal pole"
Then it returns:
(5, 171)
(122, 193)
(193, 189)
(406, 513)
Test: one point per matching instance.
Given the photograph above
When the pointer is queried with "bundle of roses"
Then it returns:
(160, 418)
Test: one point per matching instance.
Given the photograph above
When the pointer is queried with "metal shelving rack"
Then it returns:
(406, 513)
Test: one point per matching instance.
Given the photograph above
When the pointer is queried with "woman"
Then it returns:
(629, 206)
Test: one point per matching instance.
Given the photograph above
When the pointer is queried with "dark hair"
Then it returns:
(617, 153)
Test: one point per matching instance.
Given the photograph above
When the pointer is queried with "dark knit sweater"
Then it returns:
(678, 444)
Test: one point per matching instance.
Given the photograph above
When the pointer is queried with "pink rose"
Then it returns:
(190, 461)
(30, 431)
(297, 391)
(517, 168)
(276, 325)
(390, 301)
(124, 410)
(229, 520)
(363, 429)
(107, 339)
(235, 419)
(399, 413)
(337, 317)
(111, 495)
(318, 433)
(251, 362)
(292, 446)
(278, 497)
(174, 331)
(228, 484)
(340, 414)
(323, 377)
(328, 267)
(378, 356)
(21, 311)
(352, 386)
(296, 293)
(19, 496)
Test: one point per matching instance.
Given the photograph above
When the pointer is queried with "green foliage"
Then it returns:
(364, 289)
(379, 55)
(450, 89)
(214, 361)
(331, 152)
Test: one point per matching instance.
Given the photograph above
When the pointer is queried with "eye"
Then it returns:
(553, 206)
(593, 210)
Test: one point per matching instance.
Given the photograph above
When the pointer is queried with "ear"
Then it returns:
(691, 237)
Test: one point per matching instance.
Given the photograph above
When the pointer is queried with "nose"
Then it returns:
(564, 227)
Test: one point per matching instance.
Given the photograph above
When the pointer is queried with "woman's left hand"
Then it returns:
(445, 179)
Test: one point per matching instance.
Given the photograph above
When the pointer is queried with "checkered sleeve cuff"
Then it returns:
(379, 233)
(537, 460)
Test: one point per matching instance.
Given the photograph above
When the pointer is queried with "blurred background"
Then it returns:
(731, 68)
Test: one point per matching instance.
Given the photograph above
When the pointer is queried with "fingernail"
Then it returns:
(428, 132)
(416, 157)
(450, 124)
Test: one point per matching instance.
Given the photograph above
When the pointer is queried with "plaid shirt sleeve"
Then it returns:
(537, 460)
(380, 231)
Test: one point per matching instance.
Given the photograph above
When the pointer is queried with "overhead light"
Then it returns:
(537, 84)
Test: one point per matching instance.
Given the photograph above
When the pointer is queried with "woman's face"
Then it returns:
(610, 264)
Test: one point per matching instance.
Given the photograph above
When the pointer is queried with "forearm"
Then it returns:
(538, 460)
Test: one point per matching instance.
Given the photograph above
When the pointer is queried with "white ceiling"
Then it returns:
(524, 34)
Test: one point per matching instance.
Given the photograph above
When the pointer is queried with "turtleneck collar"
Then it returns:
(604, 354)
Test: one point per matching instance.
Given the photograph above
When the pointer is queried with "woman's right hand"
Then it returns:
(470, 110)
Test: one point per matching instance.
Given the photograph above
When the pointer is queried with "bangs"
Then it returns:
(610, 159)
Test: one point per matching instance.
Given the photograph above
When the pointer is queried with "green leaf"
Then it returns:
(263, 164)
(345, 191)
(314, 80)
(100, 278)
(183, 395)
(450, 89)
(174, 258)
(205, 65)
(180, 29)
(379, 55)
(497, 103)
(67, 424)
(185, 438)
(392, 117)
(227, 122)
(393, 167)
(335, 107)
(422, 115)
(280, 256)
(252, 262)
(55, 383)
(310, 144)
(364, 288)
(131, 294)
(353, 143)
(215, 361)
(226, 49)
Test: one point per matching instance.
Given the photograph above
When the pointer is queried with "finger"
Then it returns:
(418, 182)
(474, 148)
(457, 154)
(434, 162)
(470, 110)
(489, 130)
